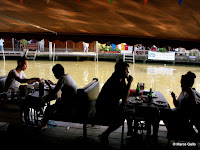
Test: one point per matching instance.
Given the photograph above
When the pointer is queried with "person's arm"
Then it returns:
(29, 81)
(53, 92)
(23, 78)
(51, 82)
(176, 103)
(58, 86)
(127, 90)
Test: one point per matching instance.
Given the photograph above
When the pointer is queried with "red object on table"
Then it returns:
(133, 92)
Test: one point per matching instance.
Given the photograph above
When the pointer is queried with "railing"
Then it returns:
(12, 53)
(141, 52)
(187, 56)
(186, 53)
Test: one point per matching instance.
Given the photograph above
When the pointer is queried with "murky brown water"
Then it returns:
(161, 77)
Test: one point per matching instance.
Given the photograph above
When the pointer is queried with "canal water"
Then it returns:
(160, 77)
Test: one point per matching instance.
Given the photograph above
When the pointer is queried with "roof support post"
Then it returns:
(50, 50)
(97, 51)
(54, 51)
(13, 45)
(66, 46)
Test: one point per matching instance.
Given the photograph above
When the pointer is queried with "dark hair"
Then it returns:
(21, 60)
(188, 78)
(58, 68)
(120, 65)
(191, 77)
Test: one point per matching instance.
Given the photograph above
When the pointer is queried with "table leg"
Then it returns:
(148, 125)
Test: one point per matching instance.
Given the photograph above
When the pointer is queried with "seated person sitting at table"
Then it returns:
(177, 120)
(107, 104)
(68, 87)
(17, 76)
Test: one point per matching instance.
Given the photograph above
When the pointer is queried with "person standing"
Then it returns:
(1, 44)
(16, 45)
(108, 107)
(85, 47)
(41, 43)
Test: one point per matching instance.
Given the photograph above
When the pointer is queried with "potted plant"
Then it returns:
(24, 44)
(162, 49)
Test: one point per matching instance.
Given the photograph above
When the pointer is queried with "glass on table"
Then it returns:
(31, 90)
(141, 85)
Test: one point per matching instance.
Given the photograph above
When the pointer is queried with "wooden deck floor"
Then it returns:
(62, 137)
(41, 54)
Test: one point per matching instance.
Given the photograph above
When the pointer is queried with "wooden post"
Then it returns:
(66, 46)
(54, 51)
(133, 55)
(13, 43)
(3, 55)
(50, 50)
(97, 51)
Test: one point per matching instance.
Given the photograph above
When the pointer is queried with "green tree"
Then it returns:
(24, 43)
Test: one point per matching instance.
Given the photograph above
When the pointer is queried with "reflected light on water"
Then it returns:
(161, 77)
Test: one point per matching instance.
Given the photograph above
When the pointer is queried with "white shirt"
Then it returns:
(1, 41)
(86, 45)
(10, 80)
(68, 87)
(41, 42)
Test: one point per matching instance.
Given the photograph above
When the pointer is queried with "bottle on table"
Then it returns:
(150, 97)
(138, 90)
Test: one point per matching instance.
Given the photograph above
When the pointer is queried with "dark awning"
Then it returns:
(159, 23)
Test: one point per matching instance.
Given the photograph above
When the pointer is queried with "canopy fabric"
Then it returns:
(159, 23)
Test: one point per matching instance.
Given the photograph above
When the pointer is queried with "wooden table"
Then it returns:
(151, 114)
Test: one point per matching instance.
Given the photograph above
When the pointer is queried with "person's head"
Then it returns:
(121, 69)
(58, 70)
(22, 63)
(187, 80)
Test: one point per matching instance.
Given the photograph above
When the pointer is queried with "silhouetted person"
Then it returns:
(68, 87)
(108, 105)
(177, 120)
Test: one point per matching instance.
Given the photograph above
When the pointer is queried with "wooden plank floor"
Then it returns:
(68, 136)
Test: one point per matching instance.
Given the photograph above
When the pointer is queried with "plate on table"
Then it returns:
(36, 85)
(161, 103)
(154, 95)
(46, 87)
(136, 100)
(146, 92)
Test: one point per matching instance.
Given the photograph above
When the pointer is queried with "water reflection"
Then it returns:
(160, 70)
(164, 78)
